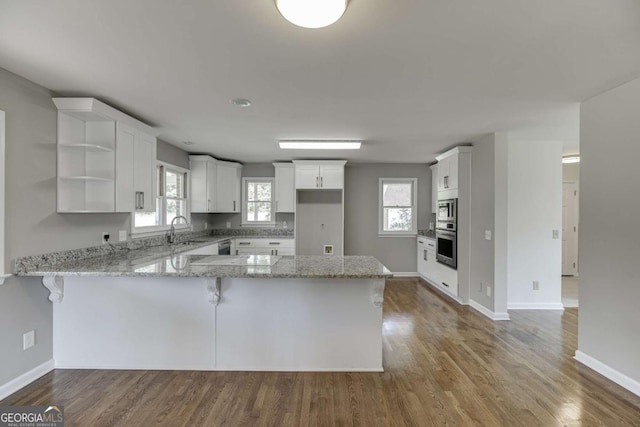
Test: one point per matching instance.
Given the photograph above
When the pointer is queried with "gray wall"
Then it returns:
(399, 254)
(320, 222)
(172, 154)
(482, 201)
(31, 222)
(251, 170)
(609, 325)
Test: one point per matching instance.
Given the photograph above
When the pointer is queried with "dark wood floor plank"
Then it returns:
(445, 364)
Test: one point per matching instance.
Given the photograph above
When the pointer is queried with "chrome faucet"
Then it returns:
(171, 237)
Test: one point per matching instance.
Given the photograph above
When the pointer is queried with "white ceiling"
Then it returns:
(409, 77)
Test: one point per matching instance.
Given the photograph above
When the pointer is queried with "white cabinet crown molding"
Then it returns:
(453, 151)
(84, 106)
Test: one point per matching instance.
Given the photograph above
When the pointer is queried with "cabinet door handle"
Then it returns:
(317, 178)
(274, 243)
(276, 252)
(322, 182)
(142, 200)
(236, 252)
(244, 243)
(234, 205)
(425, 255)
(444, 284)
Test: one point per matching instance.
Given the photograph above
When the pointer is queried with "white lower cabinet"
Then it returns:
(430, 269)
(265, 247)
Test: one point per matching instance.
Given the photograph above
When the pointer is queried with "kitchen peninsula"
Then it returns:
(160, 308)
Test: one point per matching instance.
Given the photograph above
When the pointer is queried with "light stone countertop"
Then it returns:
(170, 261)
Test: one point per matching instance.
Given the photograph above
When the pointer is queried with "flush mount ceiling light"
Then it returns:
(312, 13)
(188, 142)
(241, 102)
(319, 145)
(571, 159)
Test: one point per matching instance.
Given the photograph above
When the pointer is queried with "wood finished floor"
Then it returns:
(445, 365)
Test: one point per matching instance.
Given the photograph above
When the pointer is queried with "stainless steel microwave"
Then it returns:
(447, 210)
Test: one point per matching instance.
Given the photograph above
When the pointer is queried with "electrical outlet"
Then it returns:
(206, 225)
(431, 226)
(105, 237)
(487, 234)
(122, 235)
(28, 340)
(536, 285)
(228, 225)
(556, 234)
(284, 224)
(488, 291)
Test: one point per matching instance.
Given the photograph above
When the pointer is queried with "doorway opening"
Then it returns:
(570, 230)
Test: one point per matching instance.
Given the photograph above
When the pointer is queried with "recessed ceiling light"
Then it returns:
(312, 13)
(241, 102)
(571, 159)
(319, 145)
(188, 142)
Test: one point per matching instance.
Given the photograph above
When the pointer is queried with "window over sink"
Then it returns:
(172, 190)
(257, 199)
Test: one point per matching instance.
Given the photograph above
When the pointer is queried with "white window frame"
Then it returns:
(414, 207)
(161, 229)
(245, 223)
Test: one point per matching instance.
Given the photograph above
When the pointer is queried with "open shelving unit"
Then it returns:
(86, 161)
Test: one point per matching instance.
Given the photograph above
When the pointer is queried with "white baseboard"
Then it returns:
(535, 306)
(406, 274)
(616, 376)
(25, 379)
(490, 314)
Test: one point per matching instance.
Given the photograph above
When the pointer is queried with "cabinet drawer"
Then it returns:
(422, 241)
(277, 243)
(431, 244)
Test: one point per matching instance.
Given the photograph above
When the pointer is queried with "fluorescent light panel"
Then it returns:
(319, 145)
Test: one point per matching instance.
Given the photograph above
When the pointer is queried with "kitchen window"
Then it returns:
(257, 202)
(397, 208)
(171, 201)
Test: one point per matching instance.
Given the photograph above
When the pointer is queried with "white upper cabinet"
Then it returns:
(203, 183)
(106, 159)
(285, 187)
(448, 172)
(319, 174)
(215, 185)
(144, 172)
(434, 188)
(135, 170)
(125, 148)
(228, 185)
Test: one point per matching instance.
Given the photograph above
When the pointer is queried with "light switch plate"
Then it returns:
(556, 234)
(431, 226)
(488, 291)
(122, 236)
(487, 234)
